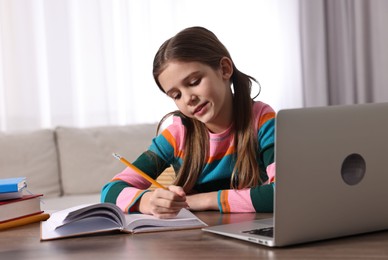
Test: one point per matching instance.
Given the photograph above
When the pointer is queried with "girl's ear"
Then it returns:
(226, 68)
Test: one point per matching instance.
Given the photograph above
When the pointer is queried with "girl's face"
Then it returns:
(201, 92)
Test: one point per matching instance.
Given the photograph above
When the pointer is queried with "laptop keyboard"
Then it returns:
(267, 232)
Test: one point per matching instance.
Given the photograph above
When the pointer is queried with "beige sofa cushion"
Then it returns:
(32, 155)
(86, 154)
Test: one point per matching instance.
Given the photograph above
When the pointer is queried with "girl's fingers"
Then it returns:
(174, 193)
(177, 190)
(167, 203)
(163, 212)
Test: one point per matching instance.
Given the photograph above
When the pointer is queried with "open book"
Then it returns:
(106, 217)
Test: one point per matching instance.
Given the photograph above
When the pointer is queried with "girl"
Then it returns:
(220, 144)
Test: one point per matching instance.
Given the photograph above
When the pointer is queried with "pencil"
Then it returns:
(24, 221)
(138, 171)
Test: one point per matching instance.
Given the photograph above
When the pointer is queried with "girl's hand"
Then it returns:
(163, 203)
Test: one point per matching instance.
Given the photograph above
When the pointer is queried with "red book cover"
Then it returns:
(16, 208)
(24, 197)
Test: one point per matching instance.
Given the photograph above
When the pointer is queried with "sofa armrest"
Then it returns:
(31, 154)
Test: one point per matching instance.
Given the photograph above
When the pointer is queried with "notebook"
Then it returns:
(100, 218)
(331, 176)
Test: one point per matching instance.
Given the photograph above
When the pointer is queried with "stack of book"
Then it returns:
(17, 208)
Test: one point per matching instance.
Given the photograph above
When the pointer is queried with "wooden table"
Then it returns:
(24, 243)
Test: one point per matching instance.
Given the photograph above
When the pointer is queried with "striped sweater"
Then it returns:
(127, 187)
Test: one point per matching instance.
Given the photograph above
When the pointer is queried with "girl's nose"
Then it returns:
(191, 99)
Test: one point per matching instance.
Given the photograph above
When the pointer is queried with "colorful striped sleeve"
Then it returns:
(127, 187)
(124, 190)
(256, 199)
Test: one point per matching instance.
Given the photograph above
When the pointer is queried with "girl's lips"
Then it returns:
(199, 108)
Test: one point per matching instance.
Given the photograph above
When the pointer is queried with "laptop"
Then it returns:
(331, 177)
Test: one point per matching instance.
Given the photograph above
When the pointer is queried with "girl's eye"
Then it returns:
(194, 82)
(175, 95)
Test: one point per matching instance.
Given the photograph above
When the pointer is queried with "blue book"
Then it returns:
(12, 184)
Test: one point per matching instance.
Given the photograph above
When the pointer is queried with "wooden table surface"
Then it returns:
(24, 243)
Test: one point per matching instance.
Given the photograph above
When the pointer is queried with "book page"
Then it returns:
(103, 217)
(107, 210)
(82, 227)
(146, 223)
(84, 219)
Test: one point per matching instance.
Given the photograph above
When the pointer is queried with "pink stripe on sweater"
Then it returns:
(131, 177)
(127, 197)
(240, 201)
(271, 172)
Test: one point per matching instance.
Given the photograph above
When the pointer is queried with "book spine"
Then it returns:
(9, 188)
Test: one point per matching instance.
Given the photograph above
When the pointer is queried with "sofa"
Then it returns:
(70, 165)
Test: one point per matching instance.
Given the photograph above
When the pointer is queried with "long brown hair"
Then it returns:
(201, 45)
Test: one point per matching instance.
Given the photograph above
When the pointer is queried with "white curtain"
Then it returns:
(89, 63)
(344, 50)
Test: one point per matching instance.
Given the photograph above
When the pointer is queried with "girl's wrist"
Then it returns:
(203, 201)
(142, 205)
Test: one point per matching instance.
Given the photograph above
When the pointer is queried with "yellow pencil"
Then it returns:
(138, 171)
(24, 221)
